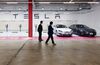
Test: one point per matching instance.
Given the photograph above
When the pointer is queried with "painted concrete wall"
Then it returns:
(14, 19)
(91, 19)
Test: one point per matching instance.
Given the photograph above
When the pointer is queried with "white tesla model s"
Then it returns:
(62, 30)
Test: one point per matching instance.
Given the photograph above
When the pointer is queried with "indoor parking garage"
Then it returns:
(73, 24)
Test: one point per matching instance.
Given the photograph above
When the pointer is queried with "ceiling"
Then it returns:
(51, 0)
(66, 0)
(13, 0)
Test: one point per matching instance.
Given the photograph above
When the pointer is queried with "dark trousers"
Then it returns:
(50, 36)
(40, 36)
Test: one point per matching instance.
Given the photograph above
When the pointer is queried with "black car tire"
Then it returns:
(93, 36)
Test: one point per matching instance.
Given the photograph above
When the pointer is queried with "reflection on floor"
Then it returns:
(66, 52)
(45, 37)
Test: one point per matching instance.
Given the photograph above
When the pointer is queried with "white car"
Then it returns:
(62, 30)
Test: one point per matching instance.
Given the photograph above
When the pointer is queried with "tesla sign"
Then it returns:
(46, 16)
(43, 16)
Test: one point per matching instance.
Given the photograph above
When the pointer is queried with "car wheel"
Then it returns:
(74, 32)
(81, 34)
(58, 35)
(55, 32)
(93, 36)
(78, 33)
(71, 35)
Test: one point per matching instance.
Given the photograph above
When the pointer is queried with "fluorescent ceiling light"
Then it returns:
(69, 2)
(94, 2)
(81, 2)
(12, 2)
(44, 2)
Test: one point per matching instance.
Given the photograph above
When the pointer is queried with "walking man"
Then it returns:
(40, 29)
(50, 33)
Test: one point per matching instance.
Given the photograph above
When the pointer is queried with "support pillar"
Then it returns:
(30, 19)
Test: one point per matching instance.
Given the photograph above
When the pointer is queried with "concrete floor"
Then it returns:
(66, 52)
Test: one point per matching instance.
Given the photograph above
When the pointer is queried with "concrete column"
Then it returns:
(30, 18)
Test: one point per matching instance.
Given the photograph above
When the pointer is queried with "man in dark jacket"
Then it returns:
(40, 29)
(50, 34)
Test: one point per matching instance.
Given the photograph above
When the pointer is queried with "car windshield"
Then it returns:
(82, 26)
(61, 26)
